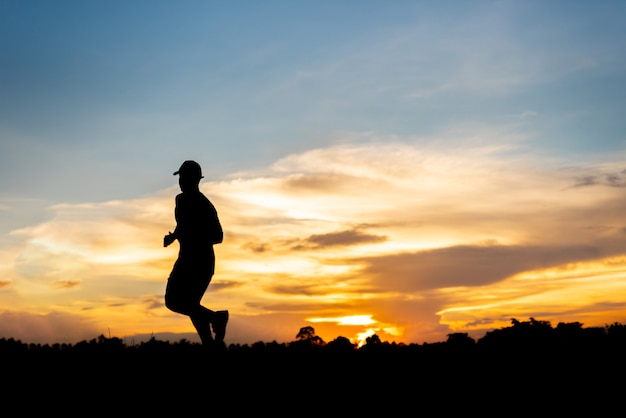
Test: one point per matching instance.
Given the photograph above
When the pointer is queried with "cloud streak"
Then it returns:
(472, 265)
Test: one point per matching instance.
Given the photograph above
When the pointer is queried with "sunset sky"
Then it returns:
(402, 168)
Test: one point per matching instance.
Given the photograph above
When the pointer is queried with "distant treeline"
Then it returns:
(526, 336)
(528, 368)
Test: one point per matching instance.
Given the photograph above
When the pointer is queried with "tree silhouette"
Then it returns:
(372, 340)
(305, 333)
(460, 340)
(307, 340)
(308, 334)
(341, 345)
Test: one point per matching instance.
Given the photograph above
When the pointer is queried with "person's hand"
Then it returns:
(168, 239)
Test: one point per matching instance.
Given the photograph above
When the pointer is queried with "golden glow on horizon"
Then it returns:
(361, 337)
(573, 289)
(352, 320)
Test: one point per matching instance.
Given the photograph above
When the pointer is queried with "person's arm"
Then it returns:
(172, 236)
(169, 238)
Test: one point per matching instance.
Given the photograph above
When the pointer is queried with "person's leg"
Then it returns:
(201, 320)
(200, 316)
(204, 318)
(219, 321)
(183, 296)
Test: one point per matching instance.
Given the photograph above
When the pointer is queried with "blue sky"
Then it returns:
(116, 89)
(101, 101)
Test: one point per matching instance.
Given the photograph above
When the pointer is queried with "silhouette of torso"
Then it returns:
(197, 229)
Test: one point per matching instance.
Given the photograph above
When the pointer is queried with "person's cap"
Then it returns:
(190, 169)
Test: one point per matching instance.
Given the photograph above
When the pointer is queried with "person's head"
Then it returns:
(189, 175)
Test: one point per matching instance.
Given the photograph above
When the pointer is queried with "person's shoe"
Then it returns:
(219, 325)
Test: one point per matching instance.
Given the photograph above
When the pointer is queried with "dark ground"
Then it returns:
(528, 369)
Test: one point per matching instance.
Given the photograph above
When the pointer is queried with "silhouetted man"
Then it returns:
(197, 229)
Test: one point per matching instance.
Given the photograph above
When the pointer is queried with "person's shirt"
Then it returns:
(197, 224)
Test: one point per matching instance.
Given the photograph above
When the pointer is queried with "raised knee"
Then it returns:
(172, 305)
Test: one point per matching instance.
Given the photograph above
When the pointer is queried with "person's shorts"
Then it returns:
(186, 285)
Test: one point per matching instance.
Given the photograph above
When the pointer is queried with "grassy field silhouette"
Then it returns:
(528, 367)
